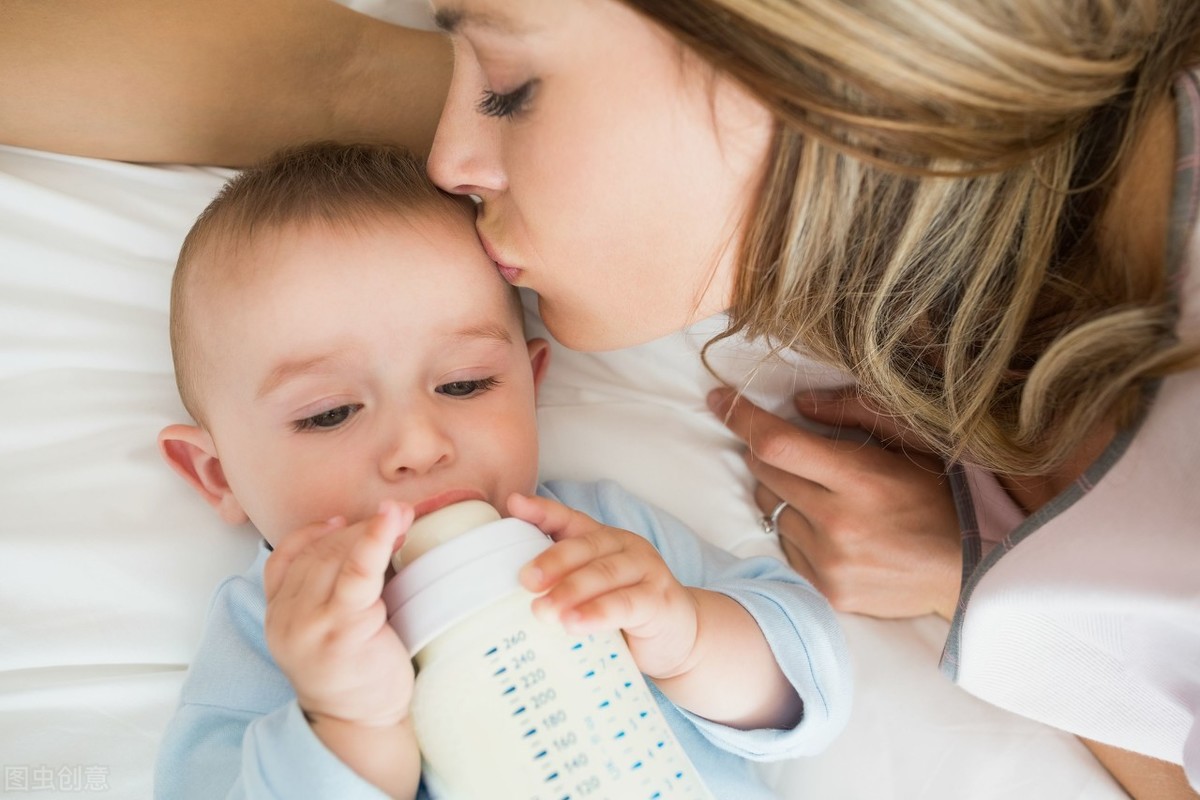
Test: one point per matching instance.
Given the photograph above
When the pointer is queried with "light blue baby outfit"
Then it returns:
(239, 732)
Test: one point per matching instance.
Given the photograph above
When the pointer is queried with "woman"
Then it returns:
(965, 204)
(962, 204)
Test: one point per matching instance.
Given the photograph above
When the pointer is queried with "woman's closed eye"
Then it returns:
(469, 388)
(327, 420)
(506, 106)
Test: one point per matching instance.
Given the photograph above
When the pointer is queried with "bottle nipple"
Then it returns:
(439, 527)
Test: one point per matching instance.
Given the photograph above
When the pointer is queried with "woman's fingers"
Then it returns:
(797, 535)
(800, 493)
(841, 408)
(775, 441)
(767, 499)
(845, 408)
(798, 560)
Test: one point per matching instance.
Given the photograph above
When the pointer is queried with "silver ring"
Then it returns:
(770, 522)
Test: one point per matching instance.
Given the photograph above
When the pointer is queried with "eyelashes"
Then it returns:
(505, 106)
(327, 420)
(465, 389)
(339, 415)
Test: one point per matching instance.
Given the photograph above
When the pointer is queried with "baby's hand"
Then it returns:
(326, 624)
(598, 578)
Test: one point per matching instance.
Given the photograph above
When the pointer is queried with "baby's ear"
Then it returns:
(191, 453)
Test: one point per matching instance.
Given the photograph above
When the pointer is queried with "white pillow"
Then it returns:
(109, 559)
(107, 563)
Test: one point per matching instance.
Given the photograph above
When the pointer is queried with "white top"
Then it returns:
(1086, 615)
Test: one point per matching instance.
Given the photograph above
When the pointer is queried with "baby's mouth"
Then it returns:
(443, 499)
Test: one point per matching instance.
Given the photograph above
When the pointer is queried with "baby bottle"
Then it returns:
(506, 705)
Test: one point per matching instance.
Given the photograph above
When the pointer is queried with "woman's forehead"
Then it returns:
(518, 19)
(515, 18)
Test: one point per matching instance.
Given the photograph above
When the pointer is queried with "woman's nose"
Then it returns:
(465, 158)
(417, 445)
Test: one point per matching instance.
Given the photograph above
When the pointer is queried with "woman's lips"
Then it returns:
(509, 273)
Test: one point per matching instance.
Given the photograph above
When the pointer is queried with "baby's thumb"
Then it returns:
(553, 518)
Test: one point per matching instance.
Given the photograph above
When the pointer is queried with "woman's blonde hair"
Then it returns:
(930, 215)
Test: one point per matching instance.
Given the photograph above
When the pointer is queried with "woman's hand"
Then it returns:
(872, 526)
(597, 578)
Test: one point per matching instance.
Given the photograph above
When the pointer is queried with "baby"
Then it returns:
(353, 360)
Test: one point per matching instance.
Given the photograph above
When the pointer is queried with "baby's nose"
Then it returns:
(418, 445)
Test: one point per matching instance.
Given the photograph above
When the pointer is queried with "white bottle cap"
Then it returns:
(459, 570)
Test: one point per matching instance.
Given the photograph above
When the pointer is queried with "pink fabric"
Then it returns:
(996, 514)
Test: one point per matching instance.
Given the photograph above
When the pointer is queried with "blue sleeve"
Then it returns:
(238, 731)
(797, 621)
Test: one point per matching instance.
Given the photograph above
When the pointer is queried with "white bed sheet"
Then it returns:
(108, 559)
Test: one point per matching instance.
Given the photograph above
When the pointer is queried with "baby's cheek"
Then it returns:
(528, 466)
(313, 506)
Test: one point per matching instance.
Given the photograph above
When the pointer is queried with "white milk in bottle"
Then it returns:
(505, 705)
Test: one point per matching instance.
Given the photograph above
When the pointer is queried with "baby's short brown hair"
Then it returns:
(323, 183)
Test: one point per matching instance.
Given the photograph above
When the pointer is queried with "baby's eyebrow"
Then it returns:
(484, 331)
(287, 370)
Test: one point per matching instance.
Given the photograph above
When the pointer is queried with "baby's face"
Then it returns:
(384, 362)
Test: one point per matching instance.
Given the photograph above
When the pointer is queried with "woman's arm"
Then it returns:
(219, 82)
(1142, 776)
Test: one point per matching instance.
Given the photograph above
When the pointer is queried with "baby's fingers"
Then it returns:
(580, 585)
(570, 554)
(285, 553)
(555, 519)
(360, 576)
(628, 608)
